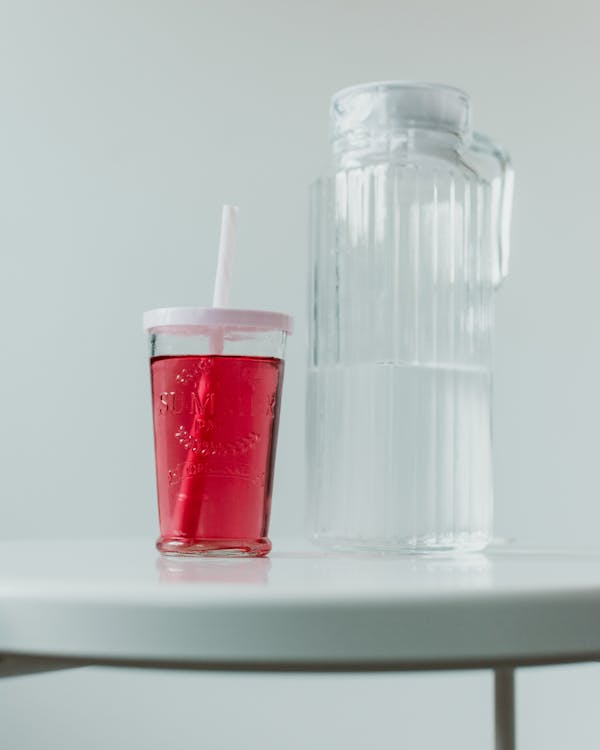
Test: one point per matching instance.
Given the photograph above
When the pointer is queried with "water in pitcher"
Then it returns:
(400, 456)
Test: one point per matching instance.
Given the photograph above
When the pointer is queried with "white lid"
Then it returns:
(217, 316)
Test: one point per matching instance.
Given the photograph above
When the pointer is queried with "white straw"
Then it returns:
(225, 259)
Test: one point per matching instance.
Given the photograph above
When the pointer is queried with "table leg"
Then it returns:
(504, 690)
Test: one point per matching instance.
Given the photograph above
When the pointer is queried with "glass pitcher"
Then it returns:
(409, 240)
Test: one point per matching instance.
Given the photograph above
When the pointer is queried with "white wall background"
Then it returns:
(123, 126)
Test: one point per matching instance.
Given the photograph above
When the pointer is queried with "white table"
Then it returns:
(118, 603)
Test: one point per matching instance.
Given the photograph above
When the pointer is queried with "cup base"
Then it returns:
(214, 547)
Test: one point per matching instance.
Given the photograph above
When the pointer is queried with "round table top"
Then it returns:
(119, 601)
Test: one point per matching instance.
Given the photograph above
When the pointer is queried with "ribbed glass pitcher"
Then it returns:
(409, 240)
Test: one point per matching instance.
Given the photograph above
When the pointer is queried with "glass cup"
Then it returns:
(216, 386)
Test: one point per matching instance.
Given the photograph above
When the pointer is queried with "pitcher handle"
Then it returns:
(502, 197)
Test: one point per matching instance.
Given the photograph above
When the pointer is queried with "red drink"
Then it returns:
(215, 432)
